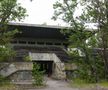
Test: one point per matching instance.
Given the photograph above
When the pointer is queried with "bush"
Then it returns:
(3, 80)
(38, 75)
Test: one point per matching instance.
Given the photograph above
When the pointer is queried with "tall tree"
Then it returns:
(10, 10)
(97, 12)
(79, 34)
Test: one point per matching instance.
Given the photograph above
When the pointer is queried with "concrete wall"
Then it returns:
(58, 66)
(41, 56)
(21, 76)
(19, 69)
(13, 67)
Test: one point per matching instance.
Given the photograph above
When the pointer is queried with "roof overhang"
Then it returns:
(38, 31)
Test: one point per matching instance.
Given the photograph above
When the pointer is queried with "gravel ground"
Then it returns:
(63, 85)
(56, 85)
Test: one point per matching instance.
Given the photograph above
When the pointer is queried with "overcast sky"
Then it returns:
(40, 11)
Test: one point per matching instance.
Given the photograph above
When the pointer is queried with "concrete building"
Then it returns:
(42, 44)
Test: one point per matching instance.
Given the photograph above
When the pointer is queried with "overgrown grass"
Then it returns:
(104, 84)
(78, 83)
(5, 84)
(8, 87)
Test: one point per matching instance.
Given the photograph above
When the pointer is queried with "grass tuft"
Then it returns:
(82, 85)
(78, 83)
(104, 83)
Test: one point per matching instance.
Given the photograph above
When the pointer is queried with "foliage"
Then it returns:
(92, 67)
(3, 80)
(104, 83)
(27, 58)
(37, 75)
(6, 53)
(89, 70)
(9, 87)
(78, 83)
(10, 10)
(99, 15)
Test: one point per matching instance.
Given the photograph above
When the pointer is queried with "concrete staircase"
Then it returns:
(59, 72)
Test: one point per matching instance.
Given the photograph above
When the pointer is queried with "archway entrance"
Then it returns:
(46, 66)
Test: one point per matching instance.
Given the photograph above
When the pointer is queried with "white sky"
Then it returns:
(40, 11)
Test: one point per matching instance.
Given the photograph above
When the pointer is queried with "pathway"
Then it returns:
(56, 85)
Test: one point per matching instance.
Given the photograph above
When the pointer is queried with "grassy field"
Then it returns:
(77, 83)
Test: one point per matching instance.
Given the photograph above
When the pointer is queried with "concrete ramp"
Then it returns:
(11, 68)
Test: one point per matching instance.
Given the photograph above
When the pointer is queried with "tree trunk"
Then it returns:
(104, 53)
(105, 62)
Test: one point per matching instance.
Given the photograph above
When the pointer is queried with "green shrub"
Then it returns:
(3, 80)
(38, 75)
(27, 58)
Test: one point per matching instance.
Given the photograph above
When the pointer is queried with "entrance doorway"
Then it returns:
(46, 66)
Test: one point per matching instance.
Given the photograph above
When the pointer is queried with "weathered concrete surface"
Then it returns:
(13, 67)
(58, 65)
(56, 85)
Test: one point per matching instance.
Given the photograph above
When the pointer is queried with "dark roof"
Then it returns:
(38, 31)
